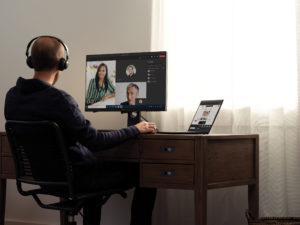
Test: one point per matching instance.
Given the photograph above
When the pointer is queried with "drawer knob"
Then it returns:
(167, 173)
(167, 149)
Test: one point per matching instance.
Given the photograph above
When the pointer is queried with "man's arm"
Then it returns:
(77, 128)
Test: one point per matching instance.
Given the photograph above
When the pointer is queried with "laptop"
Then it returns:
(203, 119)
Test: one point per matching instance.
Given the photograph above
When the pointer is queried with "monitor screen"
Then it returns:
(126, 82)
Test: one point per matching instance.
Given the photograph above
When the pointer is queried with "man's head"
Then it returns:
(47, 54)
(132, 93)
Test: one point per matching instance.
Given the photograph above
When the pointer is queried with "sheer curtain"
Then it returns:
(244, 52)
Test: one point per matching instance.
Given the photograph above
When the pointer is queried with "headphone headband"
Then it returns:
(63, 63)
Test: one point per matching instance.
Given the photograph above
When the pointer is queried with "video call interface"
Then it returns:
(126, 82)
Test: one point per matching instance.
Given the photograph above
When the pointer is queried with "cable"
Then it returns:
(144, 118)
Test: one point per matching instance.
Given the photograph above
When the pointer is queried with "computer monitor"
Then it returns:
(126, 82)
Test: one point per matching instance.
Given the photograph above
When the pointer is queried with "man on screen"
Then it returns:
(132, 94)
(130, 71)
(38, 99)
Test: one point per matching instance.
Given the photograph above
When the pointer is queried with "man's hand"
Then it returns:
(146, 127)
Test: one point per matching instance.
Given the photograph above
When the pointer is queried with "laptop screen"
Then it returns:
(205, 116)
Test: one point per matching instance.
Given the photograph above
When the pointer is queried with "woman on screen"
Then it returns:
(100, 88)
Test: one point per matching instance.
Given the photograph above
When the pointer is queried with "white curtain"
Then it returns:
(244, 52)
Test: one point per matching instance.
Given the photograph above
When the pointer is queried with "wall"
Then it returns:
(87, 27)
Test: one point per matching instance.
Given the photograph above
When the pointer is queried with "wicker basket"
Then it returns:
(272, 220)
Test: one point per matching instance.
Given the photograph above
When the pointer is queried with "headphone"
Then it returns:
(62, 63)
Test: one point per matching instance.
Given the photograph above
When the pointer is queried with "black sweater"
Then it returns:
(33, 99)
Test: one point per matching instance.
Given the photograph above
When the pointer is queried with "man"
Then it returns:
(130, 71)
(132, 94)
(37, 99)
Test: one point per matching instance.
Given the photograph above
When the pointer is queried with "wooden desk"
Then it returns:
(195, 162)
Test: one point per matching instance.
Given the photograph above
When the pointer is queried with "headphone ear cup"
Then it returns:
(66, 64)
(29, 62)
(62, 64)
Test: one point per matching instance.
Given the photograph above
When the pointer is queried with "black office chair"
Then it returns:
(41, 159)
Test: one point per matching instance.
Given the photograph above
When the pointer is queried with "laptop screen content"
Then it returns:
(205, 116)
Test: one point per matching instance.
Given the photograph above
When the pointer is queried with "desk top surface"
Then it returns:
(158, 135)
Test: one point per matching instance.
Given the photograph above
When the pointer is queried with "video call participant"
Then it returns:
(37, 99)
(130, 71)
(132, 93)
(99, 86)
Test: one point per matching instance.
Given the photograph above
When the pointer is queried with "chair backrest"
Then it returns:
(40, 154)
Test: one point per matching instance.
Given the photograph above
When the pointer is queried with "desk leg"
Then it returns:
(200, 207)
(253, 200)
(2, 200)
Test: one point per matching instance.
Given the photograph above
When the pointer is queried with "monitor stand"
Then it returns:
(133, 118)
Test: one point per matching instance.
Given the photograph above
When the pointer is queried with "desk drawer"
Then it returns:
(167, 175)
(168, 149)
(126, 150)
(5, 145)
(7, 167)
